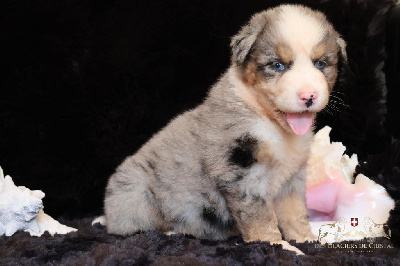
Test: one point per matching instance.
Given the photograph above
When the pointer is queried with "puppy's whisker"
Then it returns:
(338, 92)
(326, 112)
(337, 98)
(333, 107)
(339, 103)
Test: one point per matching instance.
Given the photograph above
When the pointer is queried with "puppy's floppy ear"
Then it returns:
(242, 42)
(342, 45)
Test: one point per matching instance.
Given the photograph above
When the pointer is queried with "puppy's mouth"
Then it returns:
(300, 122)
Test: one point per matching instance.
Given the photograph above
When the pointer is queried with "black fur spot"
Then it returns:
(258, 198)
(194, 134)
(142, 167)
(205, 195)
(226, 185)
(209, 215)
(237, 43)
(203, 168)
(242, 153)
(229, 126)
(222, 185)
(151, 164)
(238, 178)
(149, 194)
(157, 176)
(243, 196)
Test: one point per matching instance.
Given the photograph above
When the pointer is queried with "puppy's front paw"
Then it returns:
(310, 238)
(300, 237)
(272, 236)
(287, 246)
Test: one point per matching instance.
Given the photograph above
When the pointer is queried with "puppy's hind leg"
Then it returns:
(130, 205)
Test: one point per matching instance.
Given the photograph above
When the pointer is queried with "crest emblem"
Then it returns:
(354, 222)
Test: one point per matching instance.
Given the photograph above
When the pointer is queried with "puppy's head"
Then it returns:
(287, 57)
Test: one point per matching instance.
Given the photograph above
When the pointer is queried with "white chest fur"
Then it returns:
(284, 153)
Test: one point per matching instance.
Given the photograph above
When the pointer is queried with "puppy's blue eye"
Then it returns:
(320, 64)
(278, 66)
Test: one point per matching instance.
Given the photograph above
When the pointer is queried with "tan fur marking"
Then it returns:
(285, 53)
(332, 75)
(259, 100)
(265, 155)
(253, 95)
(257, 94)
(262, 227)
(319, 51)
(263, 106)
(262, 232)
(290, 211)
(250, 75)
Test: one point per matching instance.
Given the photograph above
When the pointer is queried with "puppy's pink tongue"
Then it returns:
(300, 122)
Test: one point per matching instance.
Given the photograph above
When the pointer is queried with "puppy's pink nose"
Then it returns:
(308, 97)
(305, 95)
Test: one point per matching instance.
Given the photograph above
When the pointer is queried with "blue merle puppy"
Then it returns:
(235, 165)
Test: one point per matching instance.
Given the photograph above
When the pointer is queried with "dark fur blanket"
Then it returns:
(86, 83)
(91, 245)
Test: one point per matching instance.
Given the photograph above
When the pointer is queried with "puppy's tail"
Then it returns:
(101, 220)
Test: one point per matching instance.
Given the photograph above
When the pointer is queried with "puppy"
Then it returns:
(236, 163)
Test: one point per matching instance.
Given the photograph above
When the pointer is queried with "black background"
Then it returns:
(86, 83)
